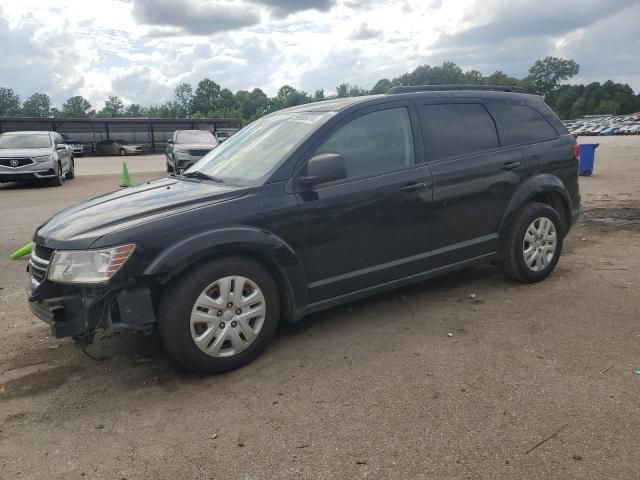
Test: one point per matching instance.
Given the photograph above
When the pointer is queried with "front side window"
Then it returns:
(41, 140)
(457, 129)
(374, 143)
(256, 151)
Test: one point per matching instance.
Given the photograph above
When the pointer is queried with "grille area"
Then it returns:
(39, 262)
(43, 253)
(15, 162)
(198, 153)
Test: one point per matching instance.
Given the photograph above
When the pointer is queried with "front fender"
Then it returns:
(276, 255)
(543, 183)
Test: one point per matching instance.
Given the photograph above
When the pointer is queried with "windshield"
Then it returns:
(202, 136)
(252, 154)
(25, 141)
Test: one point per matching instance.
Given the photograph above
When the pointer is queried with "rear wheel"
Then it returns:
(534, 243)
(122, 152)
(220, 316)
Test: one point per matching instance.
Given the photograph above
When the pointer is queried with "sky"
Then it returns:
(141, 49)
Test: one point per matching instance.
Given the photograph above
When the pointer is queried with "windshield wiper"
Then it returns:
(203, 176)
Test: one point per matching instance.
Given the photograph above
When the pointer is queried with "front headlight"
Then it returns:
(88, 266)
(180, 150)
(43, 158)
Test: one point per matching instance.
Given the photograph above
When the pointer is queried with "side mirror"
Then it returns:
(169, 142)
(323, 168)
(61, 146)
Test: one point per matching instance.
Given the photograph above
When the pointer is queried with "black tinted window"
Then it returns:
(457, 129)
(523, 124)
(373, 143)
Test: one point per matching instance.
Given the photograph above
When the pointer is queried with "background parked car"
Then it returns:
(118, 147)
(75, 145)
(187, 147)
(28, 156)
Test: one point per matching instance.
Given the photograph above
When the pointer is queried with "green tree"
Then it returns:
(546, 74)
(579, 108)
(381, 86)
(207, 93)
(318, 95)
(113, 107)
(9, 102)
(37, 105)
(607, 106)
(135, 110)
(76, 106)
(183, 96)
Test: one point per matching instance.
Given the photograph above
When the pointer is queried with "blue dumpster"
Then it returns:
(587, 158)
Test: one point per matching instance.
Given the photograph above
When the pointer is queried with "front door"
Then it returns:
(373, 226)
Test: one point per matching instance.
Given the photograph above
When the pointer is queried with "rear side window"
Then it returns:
(374, 143)
(457, 129)
(523, 123)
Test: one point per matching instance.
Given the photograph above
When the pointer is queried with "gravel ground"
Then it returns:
(536, 381)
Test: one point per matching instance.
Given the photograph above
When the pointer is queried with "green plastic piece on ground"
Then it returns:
(126, 181)
(22, 251)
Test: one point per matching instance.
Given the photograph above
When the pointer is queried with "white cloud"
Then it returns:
(140, 50)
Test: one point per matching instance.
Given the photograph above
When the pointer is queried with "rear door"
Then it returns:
(474, 176)
(374, 226)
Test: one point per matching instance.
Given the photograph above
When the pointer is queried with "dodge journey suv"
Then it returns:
(308, 208)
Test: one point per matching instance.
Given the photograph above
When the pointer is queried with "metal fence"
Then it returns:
(150, 132)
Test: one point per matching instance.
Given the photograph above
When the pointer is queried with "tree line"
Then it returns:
(209, 99)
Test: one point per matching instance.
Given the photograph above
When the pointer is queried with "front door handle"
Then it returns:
(412, 187)
(510, 166)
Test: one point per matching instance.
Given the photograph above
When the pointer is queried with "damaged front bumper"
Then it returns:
(78, 311)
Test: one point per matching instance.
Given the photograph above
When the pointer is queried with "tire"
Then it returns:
(72, 170)
(57, 181)
(538, 222)
(183, 300)
(122, 152)
(170, 169)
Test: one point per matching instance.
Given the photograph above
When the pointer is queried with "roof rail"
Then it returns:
(444, 88)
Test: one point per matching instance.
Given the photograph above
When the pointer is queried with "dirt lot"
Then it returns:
(535, 381)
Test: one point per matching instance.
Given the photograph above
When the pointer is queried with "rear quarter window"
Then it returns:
(457, 129)
(523, 124)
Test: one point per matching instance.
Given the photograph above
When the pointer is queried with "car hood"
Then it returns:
(24, 152)
(196, 146)
(80, 225)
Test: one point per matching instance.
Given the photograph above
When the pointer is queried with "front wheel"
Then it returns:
(57, 181)
(122, 152)
(220, 316)
(72, 170)
(534, 243)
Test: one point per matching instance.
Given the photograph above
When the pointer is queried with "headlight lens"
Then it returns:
(88, 266)
(43, 158)
(180, 150)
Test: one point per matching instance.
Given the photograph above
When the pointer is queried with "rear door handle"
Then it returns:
(412, 187)
(510, 166)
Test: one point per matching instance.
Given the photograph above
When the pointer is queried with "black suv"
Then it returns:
(308, 208)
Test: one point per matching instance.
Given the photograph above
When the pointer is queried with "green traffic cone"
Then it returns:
(22, 251)
(126, 181)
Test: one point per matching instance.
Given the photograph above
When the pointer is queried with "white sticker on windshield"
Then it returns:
(304, 117)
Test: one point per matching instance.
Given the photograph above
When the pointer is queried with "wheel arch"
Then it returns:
(544, 188)
(265, 248)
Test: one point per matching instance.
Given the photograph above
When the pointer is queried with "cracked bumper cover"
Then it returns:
(78, 312)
